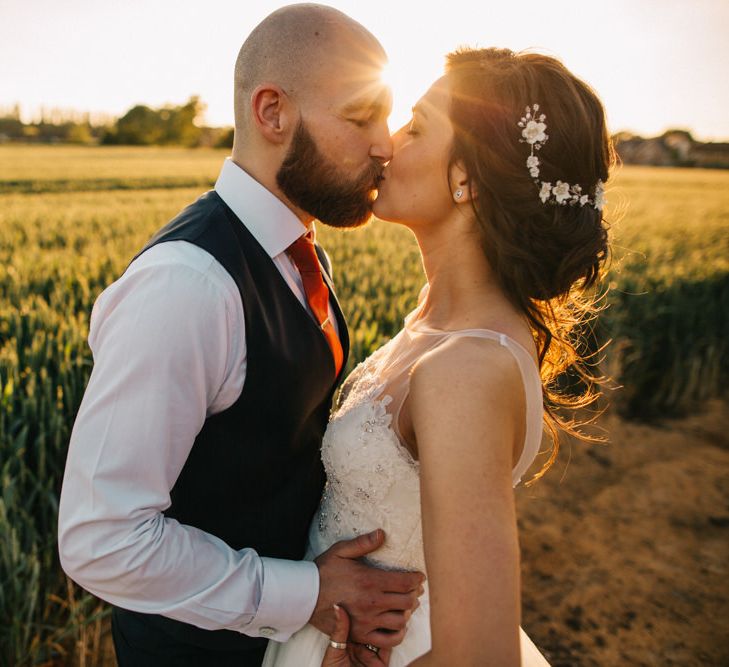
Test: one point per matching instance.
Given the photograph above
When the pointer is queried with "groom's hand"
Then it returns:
(354, 655)
(379, 602)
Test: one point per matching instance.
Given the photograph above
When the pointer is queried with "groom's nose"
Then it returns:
(381, 147)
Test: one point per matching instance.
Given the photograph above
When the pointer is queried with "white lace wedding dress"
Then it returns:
(373, 481)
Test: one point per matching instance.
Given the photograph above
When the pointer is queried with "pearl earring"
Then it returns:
(458, 193)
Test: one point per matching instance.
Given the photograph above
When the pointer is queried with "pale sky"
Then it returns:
(655, 63)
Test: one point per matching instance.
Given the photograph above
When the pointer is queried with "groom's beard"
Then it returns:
(312, 183)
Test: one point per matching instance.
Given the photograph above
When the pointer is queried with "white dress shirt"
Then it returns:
(168, 341)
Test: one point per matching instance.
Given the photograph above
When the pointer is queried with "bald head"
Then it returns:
(300, 47)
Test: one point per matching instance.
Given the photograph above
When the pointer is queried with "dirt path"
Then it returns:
(625, 547)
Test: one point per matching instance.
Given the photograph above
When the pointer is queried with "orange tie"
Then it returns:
(303, 253)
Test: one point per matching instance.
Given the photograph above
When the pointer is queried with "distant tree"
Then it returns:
(624, 135)
(11, 127)
(678, 132)
(140, 126)
(226, 139)
(169, 125)
(79, 133)
(679, 143)
(179, 123)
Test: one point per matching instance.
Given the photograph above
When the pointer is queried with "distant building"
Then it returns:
(711, 155)
(637, 150)
(675, 148)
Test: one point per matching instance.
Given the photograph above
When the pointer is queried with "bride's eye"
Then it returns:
(412, 128)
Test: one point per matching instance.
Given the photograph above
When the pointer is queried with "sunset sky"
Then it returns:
(656, 64)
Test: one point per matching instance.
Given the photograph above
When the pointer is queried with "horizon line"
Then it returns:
(100, 118)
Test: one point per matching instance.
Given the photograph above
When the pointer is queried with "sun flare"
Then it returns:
(408, 85)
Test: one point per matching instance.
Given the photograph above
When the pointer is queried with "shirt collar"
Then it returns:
(273, 224)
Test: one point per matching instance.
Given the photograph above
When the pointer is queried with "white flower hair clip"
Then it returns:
(533, 133)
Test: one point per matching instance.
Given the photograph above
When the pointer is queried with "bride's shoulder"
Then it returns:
(466, 368)
(467, 398)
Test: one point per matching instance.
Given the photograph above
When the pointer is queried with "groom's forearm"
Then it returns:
(182, 573)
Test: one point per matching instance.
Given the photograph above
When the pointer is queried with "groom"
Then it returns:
(194, 470)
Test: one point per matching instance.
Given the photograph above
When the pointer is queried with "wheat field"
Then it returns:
(72, 217)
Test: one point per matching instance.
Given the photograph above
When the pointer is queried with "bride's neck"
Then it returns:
(461, 281)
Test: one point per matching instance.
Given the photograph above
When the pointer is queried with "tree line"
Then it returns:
(142, 125)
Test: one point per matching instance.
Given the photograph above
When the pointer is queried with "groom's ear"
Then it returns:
(272, 112)
(460, 183)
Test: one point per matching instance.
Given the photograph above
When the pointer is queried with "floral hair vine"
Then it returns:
(533, 133)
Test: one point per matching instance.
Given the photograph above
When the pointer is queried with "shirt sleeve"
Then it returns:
(161, 340)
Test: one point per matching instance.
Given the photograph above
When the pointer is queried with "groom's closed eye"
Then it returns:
(368, 110)
(361, 122)
(371, 114)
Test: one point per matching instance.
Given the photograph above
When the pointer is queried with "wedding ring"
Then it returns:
(374, 649)
(342, 646)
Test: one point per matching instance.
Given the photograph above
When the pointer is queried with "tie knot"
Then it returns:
(303, 252)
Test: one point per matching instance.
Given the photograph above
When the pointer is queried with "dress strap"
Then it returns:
(532, 391)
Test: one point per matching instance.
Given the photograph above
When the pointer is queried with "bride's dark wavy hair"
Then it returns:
(548, 258)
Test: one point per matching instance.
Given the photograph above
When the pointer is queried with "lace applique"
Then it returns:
(372, 481)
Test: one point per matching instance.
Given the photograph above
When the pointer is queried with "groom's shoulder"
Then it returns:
(192, 221)
(178, 243)
(184, 265)
(174, 254)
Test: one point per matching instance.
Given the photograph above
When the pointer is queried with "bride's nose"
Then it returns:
(398, 138)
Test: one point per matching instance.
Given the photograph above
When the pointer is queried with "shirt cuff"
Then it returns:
(288, 598)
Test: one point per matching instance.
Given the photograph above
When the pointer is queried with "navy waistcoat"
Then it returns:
(254, 475)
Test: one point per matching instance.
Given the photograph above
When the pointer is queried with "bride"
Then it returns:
(500, 177)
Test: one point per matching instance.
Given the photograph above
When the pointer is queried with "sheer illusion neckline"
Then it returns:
(418, 326)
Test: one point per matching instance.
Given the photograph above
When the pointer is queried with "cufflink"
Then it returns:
(267, 631)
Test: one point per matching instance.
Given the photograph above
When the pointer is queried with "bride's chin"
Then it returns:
(381, 210)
